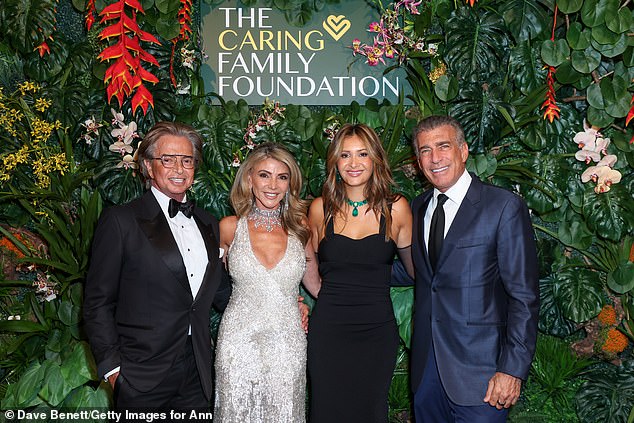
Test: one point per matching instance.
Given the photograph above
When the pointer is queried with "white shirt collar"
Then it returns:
(163, 200)
(458, 191)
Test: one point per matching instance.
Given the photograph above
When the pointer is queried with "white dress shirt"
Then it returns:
(189, 240)
(455, 196)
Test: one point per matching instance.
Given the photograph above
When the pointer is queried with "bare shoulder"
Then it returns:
(316, 210)
(401, 207)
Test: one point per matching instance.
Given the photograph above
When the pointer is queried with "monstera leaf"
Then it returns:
(575, 233)
(607, 395)
(476, 43)
(525, 69)
(579, 294)
(610, 214)
(482, 112)
(27, 23)
(551, 315)
(546, 195)
(526, 19)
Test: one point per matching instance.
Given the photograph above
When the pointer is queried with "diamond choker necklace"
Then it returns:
(269, 219)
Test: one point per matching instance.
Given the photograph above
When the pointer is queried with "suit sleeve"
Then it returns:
(223, 293)
(102, 292)
(517, 260)
(221, 299)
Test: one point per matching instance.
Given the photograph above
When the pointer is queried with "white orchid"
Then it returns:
(117, 118)
(121, 148)
(92, 126)
(127, 162)
(588, 153)
(125, 133)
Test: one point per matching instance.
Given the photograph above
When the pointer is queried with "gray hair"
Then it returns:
(433, 122)
(147, 149)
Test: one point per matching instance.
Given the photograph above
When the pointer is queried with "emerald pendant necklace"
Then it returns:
(355, 205)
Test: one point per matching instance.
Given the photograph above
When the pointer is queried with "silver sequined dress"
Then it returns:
(261, 351)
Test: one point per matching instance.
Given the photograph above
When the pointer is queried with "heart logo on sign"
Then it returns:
(336, 26)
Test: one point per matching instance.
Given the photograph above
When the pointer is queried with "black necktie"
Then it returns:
(186, 208)
(437, 231)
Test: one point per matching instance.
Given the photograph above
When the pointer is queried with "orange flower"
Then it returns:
(7, 244)
(615, 342)
(607, 316)
(126, 74)
(630, 115)
(471, 2)
(550, 104)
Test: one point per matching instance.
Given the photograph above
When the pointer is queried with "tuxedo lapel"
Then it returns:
(154, 224)
(213, 252)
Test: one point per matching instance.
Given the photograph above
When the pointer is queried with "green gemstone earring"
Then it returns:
(355, 205)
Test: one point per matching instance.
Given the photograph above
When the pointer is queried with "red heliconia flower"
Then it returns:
(43, 48)
(630, 115)
(471, 2)
(185, 21)
(550, 104)
(91, 10)
(126, 75)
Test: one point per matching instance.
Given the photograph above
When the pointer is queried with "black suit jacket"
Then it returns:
(138, 303)
(480, 308)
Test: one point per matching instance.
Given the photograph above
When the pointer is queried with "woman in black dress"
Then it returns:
(358, 225)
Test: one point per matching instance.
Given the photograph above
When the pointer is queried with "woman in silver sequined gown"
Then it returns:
(261, 353)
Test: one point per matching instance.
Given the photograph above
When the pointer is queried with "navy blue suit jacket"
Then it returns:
(480, 308)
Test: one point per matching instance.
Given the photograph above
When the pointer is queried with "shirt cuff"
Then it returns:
(111, 372)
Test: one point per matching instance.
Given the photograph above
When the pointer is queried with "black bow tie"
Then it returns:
(186, 208)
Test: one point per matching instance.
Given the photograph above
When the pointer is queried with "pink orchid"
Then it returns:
(410, 5)
(356, 46)
(375, 27)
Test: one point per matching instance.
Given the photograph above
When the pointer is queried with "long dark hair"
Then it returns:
(379, 188)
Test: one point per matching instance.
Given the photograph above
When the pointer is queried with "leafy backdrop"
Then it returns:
(543, 88)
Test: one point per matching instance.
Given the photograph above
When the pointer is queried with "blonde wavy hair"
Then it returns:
(293, 207)
(379, 188)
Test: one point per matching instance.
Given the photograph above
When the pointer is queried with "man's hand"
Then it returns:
(303, 310)
(112, 379)
(503, 390)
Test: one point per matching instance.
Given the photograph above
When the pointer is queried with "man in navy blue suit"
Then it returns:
(477, 297)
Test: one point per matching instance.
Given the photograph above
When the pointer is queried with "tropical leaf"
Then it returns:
(577, 37)
(552, 319)
(27, 23)
(476, 43)
(554, 366)
(579, 293)
(525, 69)
(479, 110)
(607, 395)
(610, 214)
(526, 19)
(593, 12)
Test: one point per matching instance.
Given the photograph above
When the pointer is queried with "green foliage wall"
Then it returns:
(539, 86)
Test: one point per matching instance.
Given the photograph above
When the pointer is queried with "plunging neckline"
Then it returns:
(258, 261)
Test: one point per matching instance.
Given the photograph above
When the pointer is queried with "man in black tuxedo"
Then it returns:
(477, 299)
(155, 272)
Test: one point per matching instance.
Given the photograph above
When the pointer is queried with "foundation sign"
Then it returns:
(254, 54)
